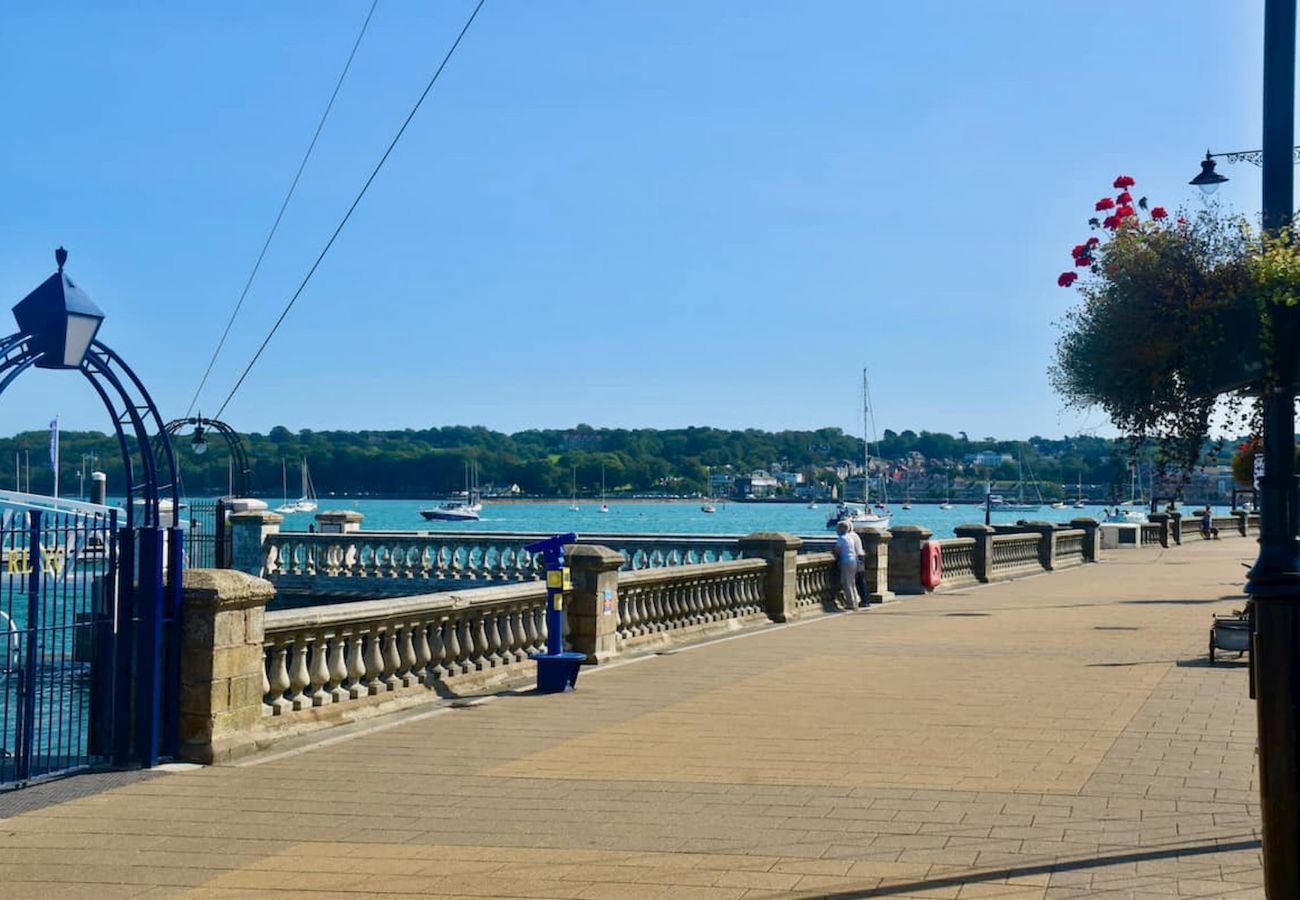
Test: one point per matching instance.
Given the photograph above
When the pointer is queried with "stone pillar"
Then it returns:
(905, 559)
(593, 604)
(1161, 519)
(982, 555)
(1176, 527)
(1046, 532)
(221, 663)
(876, 543)
(248, 533)
(338, 521)
(1091, 537)
(781, 551)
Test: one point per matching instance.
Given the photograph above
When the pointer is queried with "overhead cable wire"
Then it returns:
(283, 206)
(344, 221)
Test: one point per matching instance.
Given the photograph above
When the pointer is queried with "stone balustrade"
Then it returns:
(1071, 548)
(660, 605)
(326, 655)
(959, 557)
(371, 563)
(1014, 554)
(250, 676)
(817, 583)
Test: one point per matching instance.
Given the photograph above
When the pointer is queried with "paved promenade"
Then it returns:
(1057, 737)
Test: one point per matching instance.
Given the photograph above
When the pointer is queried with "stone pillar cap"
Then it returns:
(911, 530)
(773, 537)
(593, 556)
(224, 587)
(1084, 520)
(339, 515)
(975, 526)
(264, 516)
(244, 504)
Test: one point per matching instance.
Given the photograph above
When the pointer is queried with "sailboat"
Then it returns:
(947, 495)
(604, 507)
(706, 506)
(307, 501)
(573, 497)
(1079, 503)
(1130, 509)
(458, 511)
(1020, 503)
(863, 517)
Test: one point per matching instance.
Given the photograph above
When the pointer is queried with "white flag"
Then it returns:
(54, 452)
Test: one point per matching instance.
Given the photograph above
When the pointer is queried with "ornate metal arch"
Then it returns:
(129, 405)
(233, 443)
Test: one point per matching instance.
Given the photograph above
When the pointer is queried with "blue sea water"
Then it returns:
(661, 517)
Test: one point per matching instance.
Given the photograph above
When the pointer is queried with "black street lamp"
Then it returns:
(1209, 180)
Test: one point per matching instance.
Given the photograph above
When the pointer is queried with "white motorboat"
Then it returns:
(451, 512)
(466, 510)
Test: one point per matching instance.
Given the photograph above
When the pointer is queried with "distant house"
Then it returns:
(989, 459)
(757, 484)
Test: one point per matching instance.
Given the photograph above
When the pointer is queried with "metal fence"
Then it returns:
(206, 541)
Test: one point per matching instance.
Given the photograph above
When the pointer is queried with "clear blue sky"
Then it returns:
(628, 214)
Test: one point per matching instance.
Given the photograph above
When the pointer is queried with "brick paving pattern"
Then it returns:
(1058, 737)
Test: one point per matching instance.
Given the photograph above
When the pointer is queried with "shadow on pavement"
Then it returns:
(1097, 862)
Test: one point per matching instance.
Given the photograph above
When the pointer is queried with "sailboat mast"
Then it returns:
(866, 446)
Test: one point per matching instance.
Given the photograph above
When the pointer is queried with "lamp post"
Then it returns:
(1274, 581)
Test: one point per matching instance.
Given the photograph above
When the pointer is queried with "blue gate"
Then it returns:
(89, 639)
(58, 605)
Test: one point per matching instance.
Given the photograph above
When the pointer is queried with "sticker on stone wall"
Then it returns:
(609, 602)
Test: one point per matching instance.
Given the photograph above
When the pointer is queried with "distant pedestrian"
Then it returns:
(848, 550)
(1208, 531)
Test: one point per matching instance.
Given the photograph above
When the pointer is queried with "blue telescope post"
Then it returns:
(557, 670)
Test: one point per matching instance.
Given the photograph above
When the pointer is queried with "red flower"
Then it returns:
(1105, 203)
(1092, 242)
(1125, 197)
(1158, 212)
(1110, 222)
(1082, 261)
(1125, 211)
(1079, 250)
(1124, 181)
(1067, 279)
(1182, 221)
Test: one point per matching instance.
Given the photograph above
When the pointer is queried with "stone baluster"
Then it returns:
(543, 630)
(423, 652)
(406, 651)
(490, 622)
(981, 555)
(438, 653)
(267, 709)
(465, 634)
(374, 658)
(455, 663)
(357, 686)
(338, 667)
(392, 658)
(320, 671)
(279, 678)
(530, 628)
(299, 676)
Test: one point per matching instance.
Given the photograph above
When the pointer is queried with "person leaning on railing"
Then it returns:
(851, 555)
